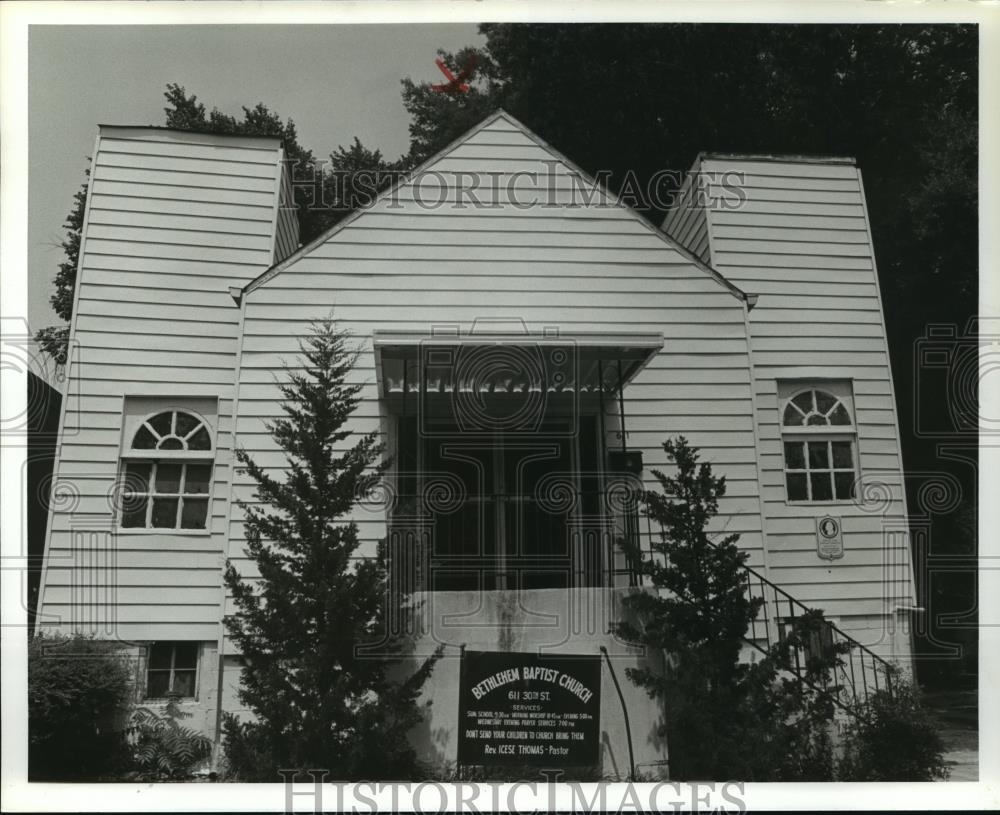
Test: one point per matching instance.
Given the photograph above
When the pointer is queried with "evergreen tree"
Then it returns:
(321, 700)
(723, 717)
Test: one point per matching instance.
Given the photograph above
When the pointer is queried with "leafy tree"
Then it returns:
(54, 340)
(79, 692)
(722, 716)
(436, 118)
(356, 176)
(317, 699)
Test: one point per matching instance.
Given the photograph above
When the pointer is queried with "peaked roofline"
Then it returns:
(499, 113)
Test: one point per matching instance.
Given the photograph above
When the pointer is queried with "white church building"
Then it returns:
(527, 344)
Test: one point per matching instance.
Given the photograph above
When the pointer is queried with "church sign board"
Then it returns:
(527, 708)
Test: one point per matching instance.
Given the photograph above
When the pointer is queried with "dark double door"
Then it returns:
(503, 510)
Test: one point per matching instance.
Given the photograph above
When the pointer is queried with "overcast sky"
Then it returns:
(335, 81)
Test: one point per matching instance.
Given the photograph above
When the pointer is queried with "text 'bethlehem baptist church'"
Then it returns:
(528, 672)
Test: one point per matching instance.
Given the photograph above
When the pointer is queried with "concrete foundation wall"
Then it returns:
(554, 621)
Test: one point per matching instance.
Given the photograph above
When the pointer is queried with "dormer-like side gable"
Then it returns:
(173, 220)
(795, 230)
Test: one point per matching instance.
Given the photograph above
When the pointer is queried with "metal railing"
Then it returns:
(859, 671)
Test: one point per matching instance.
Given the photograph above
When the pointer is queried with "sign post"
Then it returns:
(529, 709)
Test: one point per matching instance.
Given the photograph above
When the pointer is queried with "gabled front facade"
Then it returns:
(527, 344)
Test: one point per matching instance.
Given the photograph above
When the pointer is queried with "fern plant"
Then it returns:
(165, 750)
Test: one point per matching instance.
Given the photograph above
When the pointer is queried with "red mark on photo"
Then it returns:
(455, 84)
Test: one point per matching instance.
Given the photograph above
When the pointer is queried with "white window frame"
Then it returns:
(154, 457)
(842, 392)
(172, 644)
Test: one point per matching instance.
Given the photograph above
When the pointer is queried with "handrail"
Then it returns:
(851, 681)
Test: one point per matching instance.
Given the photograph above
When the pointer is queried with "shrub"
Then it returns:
(164, 750)
(893, 738)
(79, 691)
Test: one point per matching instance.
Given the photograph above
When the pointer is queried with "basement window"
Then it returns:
(171, 670)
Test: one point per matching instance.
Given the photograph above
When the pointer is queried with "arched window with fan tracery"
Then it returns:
(819, 443)
(167, 472)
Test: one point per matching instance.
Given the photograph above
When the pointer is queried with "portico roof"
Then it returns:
(510, 363)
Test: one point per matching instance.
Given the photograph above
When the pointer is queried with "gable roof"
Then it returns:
(500, 113)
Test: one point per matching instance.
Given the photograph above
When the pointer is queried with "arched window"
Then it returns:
(818, 440)
(167, 473)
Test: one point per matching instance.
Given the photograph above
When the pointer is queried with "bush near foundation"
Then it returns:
(162, 748)
(893, 738)
(79, 694)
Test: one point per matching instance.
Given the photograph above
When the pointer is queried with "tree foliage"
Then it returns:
(723, 716)
(79, 692)
(320, 695)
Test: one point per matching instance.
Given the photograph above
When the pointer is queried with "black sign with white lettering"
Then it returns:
(529, 709)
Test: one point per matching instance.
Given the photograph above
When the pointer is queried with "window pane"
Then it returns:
(824, 402)
(137, 475)
(796, 483)
(822, 489)
(185, 424)
(200, 440)
(196, 478)
(845, 486)
(165, 513)
(168, 477)
(161, 423)
(840, 416)
(159, 656)
(816, 419)
(185, 656)
(818, 459)
(792, 417)
(804, 401)
(171, 443)
(144, 440)
(157, 684)
(184, 683)
(842, 458)
(134, 512)
(795, 456)
(194, 513)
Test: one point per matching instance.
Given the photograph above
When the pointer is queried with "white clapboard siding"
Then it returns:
(577, 268)
(800, 240)
(286, 238)
(173, 220)
(686, 221)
